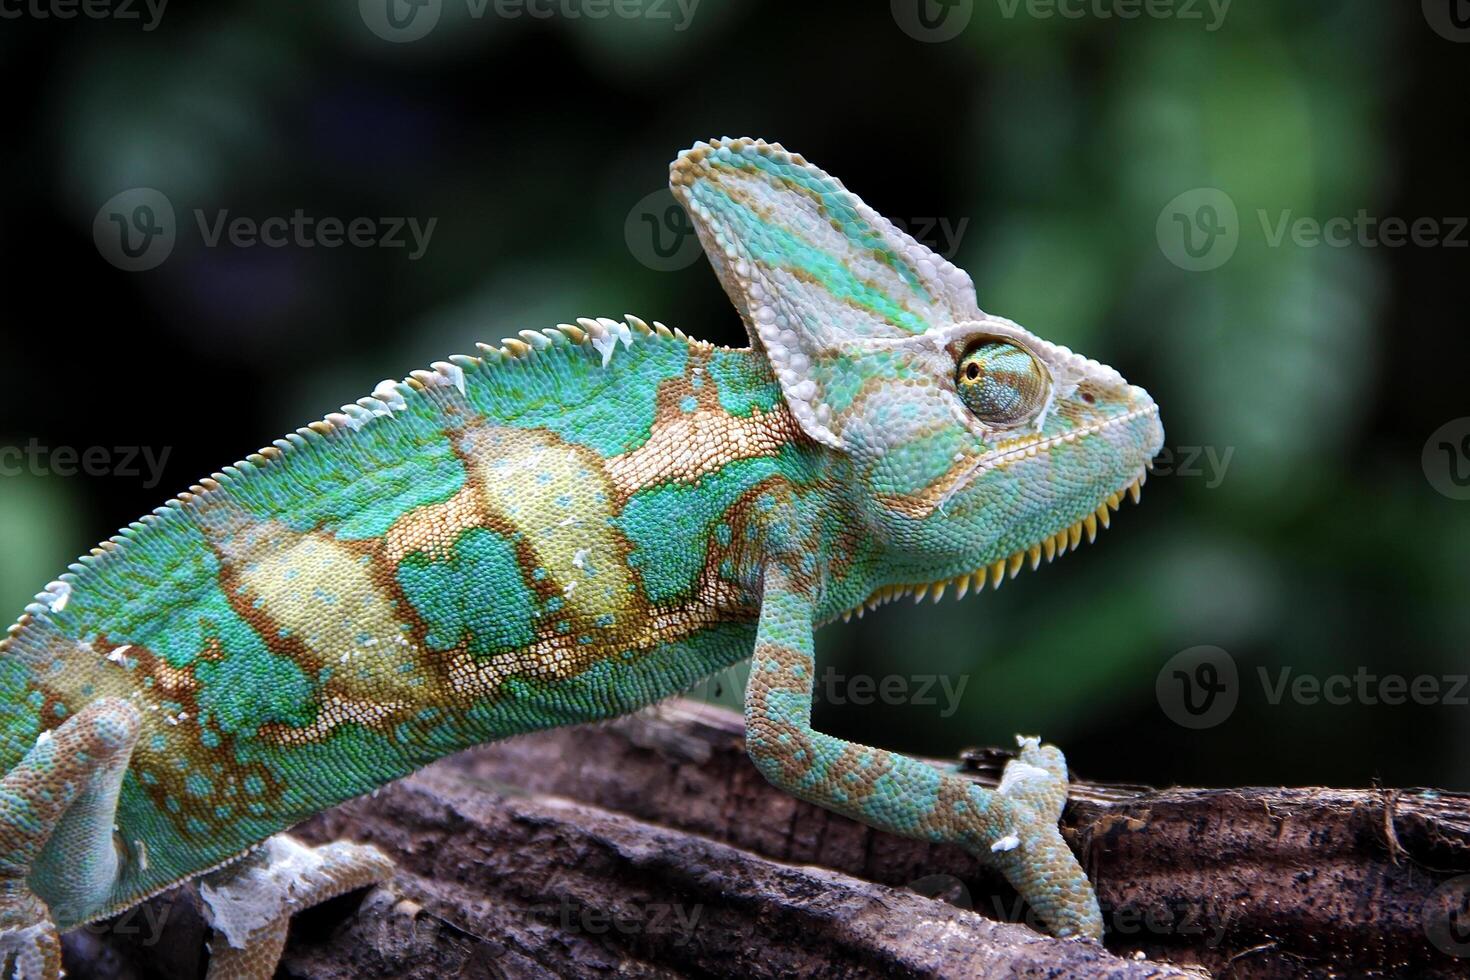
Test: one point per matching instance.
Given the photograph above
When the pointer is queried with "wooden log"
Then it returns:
(651, 847)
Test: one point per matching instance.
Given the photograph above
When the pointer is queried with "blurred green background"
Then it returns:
(1043, 148)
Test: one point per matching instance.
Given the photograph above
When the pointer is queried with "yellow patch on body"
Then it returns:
(558, 496)
(323, 594)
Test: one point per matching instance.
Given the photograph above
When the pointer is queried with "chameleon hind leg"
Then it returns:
(56, 813)
(1013, 828)
(250, 902)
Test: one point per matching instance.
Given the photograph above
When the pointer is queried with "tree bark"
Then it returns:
(650, 847)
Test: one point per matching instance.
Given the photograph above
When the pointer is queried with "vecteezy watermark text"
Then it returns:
(941, 235)
(923, 690)
(149, 13)
(660, 234)
(402, 21)
(1209, 462)
(646, 918)
(1211, 12)
(306, 231)
(127, 462)
(1200, 230)
(146, 920)
(1363, 230)
(136, 230)
(1208, 921)
(1200, 688)
(1364, 687)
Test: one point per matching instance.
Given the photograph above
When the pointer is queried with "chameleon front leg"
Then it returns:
(56, 813)
(1013, 828)
(250, 902)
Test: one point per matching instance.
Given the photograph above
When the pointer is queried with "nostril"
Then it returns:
(1089, 398)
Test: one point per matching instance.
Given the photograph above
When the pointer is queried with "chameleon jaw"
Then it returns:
(1048, 548)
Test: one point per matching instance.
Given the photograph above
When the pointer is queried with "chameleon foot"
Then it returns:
(1034, 857)
(1037, 777)
(29, 946)
(1012, 827)
(250, 903)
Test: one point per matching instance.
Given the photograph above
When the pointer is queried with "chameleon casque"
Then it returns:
(567, 527)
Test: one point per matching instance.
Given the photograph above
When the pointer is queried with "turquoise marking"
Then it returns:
(174, 603)
(319, 485)
(838, 206)
(744, 382)
(476, 597)
(253, 687)
(779, 248)
(566, 390)
(919, 463)
(670, 525)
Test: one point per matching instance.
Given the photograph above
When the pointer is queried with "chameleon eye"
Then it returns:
(1002, 383)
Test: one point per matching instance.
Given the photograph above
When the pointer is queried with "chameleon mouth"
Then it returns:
(1049, 548)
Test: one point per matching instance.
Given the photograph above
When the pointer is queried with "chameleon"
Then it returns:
(565, 527)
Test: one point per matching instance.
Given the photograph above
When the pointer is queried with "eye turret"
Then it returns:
(1002, 383)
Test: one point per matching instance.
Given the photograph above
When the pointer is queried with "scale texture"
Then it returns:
(568, 526)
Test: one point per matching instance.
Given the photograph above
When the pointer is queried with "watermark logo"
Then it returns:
(1446, 459)
(674, 919)
(1210, 12)
(1450, 19)
(921, 690)
(1362, 230)
(1206, 922)
(400, 21)
(660, 234)
(832, 686)
(148, 13)
(1199, 230)
(932, 21)
(1198, 688)
(1364, 687)
(1209, 462)
(147, 921)
(940, 235)
(135, 230)
(124, 462)
(1446, 917)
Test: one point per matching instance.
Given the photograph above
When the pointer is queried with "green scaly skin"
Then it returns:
(564, 528)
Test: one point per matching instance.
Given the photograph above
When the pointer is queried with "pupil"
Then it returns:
(972, 371)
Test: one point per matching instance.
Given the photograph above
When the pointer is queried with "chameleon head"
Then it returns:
(981, 448)
(972, 445)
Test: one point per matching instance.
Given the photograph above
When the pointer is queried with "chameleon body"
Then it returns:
(566, 527)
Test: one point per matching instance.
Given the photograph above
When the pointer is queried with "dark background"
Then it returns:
(1050, 147)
